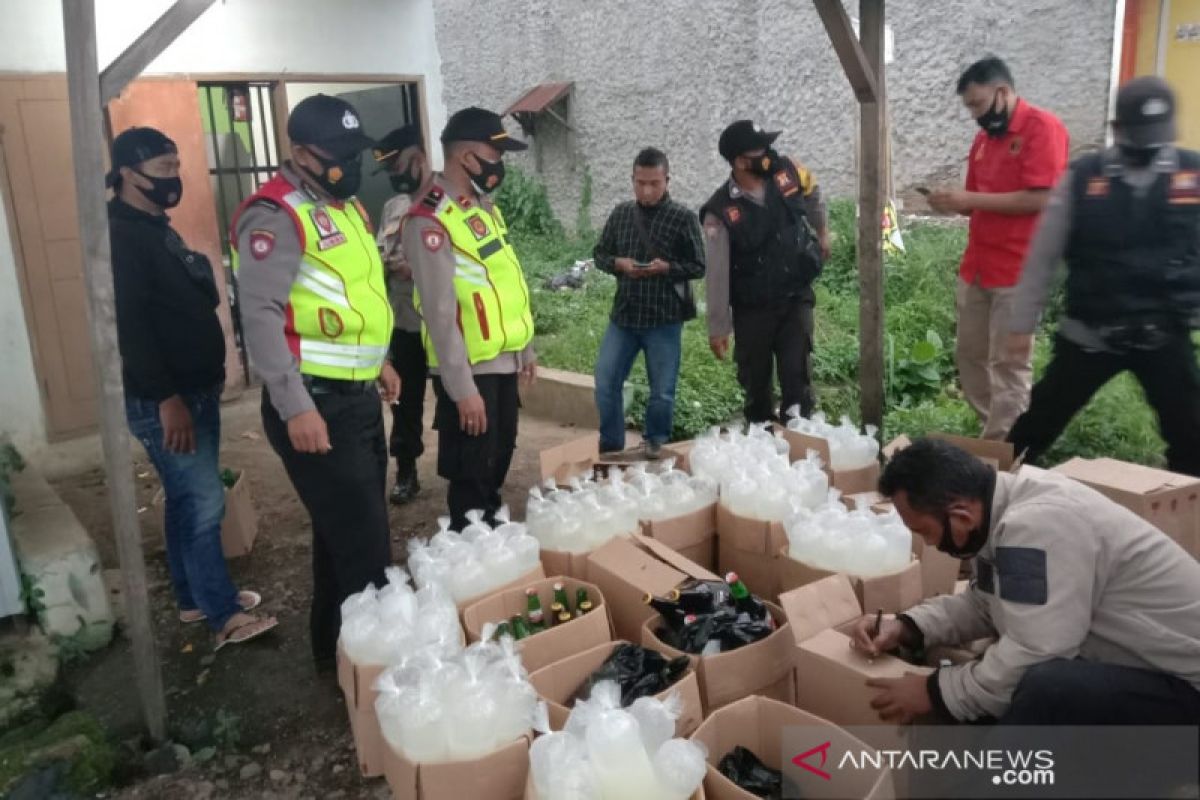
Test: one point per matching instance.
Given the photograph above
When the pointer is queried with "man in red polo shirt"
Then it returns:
(1016, 158)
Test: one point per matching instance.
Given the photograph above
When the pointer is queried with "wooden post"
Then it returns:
(87, 136)
(873, 139)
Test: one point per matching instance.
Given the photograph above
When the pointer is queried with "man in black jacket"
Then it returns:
(173, 358)
(765, 240)
(1127, 223)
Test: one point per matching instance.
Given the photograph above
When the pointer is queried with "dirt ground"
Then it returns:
(289, 724)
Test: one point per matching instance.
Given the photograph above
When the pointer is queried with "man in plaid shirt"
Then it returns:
(654, 247)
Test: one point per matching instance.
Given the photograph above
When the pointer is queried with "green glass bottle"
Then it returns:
(581, 596)
(519, 628)
(502, 630)
(533, 611)
(560, 597)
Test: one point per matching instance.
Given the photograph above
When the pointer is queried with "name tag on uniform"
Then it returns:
(1185, 188)
(327, 231)
(1098, 187)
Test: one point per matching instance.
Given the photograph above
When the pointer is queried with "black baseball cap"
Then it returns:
(743, 136)
(135, 145)
(329, 123)
(475, 124)
(396, 142)
(1146, 112)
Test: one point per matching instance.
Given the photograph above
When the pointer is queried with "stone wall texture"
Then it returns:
(673, 73)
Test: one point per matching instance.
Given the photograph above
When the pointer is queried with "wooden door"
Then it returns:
(35, 140)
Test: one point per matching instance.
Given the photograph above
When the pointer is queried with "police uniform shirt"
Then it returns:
(399, 273)
(430, 253)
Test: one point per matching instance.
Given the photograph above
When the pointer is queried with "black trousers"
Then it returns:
(1169, 375)
(408, 356)
(1049, 707)
(477, 466)
(774, 339)
(344, 492)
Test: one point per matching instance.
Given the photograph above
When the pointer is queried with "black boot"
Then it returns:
(407, 486)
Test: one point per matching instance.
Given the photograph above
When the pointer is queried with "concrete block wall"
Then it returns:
(673, 73)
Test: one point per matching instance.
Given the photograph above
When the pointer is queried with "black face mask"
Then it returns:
(163, 192)
(342, 176)
(1136, 156)
(405, 182)
(489, 177)
(975, 541)
(765, 164)
(994, 121)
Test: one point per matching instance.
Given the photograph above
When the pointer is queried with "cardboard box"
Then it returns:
(693, 536)
(240, 526)
(498, 776)
(570, 459)
(560, 562)
(628, 569)
(1169, 501)
(750, 547)
(581, 457)
(831, 675)
(763, 668)
(847, 481)
(997, 455)
(894, 592)
(531, 792)
(357, 684)
(529, 578)
(558, 682)
(757, 723)
(550, 645)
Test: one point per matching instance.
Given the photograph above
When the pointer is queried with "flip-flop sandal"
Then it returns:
(247, 599)
(246, 631)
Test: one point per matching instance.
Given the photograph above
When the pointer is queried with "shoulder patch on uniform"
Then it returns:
(733, 214)
(1098, 187)
(1022, 575)
(1185, 188)
(261, 243)
(433, 239)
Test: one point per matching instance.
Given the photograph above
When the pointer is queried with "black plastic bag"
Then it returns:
(637, 671)
(742, 767)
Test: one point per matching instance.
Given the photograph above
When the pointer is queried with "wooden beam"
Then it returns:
(87, 137)
(147, 47)
(846, 44)
(871, 199)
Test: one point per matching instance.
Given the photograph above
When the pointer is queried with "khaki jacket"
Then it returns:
(1065, 573)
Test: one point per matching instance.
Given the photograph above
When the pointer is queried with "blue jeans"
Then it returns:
(662, 346)
(195, 505)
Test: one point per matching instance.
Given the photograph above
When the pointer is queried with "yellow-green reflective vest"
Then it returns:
(493, 300)
(338, 319)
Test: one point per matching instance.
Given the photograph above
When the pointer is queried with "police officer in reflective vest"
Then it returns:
(474, 305)
(1127, 222)
(317, 325)
(765, 239)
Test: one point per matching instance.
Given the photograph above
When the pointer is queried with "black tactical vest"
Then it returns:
(773, 255)
(1134, 259)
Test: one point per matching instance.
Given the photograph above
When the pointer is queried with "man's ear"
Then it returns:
(966, 514)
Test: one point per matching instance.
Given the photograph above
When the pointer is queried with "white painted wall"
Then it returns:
(21, 416)
(268, 37)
